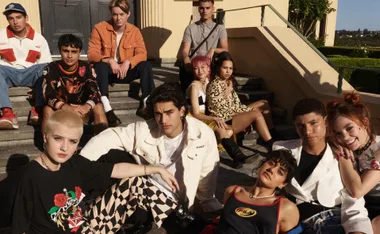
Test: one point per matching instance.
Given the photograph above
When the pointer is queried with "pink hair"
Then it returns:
(196, 61)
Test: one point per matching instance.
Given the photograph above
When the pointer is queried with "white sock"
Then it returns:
(144, 101)
(106, 104)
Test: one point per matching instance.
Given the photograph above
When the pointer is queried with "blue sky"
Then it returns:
(354, 14)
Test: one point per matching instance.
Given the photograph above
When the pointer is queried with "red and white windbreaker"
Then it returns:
(24, 52)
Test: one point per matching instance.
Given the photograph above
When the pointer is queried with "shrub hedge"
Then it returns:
(363, 80)
(353, 62)
(355, 52)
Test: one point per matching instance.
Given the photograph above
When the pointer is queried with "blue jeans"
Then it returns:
(12, 77)
(326, 222)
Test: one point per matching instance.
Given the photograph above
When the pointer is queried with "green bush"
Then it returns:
(353, 62)
(355, 52)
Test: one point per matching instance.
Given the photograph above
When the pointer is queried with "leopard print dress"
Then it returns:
(220, 103)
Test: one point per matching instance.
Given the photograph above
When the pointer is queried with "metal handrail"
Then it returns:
(283, 20)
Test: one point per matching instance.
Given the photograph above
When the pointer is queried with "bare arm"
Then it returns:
(228, 193)
(358, 186)
(289, 216)
(185, 50)
(194, 101)
(223, 47)
(126, 170)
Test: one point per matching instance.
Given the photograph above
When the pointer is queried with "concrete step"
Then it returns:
(253, 96)
(120, 102)
(31, 135)
(249, 83)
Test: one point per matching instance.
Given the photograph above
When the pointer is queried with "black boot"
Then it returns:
(234, 152)
(112, 119)
(267, 144)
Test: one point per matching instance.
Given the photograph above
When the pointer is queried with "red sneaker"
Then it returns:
(8, 119)
(33, 118)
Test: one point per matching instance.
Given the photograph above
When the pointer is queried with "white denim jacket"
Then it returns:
(325, 186)
(144, 141)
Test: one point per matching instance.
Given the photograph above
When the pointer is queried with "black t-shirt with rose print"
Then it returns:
(52, 202)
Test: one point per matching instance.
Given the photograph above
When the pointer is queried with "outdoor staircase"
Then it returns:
(22, 145)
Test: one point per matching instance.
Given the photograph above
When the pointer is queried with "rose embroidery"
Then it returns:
(78, 191)
(66, 212)
(60, 200)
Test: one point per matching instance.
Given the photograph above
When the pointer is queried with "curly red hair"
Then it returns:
(351, 108)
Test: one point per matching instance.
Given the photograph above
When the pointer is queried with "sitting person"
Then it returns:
(203, 37)
(69, 84)
(51, 196)
(350, 127)
(196, 92)
(260, 209)
(223, 102)
(117, 48)
(317, 188)
(24, 53)
(182, 144)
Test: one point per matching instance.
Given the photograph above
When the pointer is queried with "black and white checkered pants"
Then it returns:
(108, 212)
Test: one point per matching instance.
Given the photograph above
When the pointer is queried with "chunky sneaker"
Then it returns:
(33, 118)
(8, 119)
(113, 120)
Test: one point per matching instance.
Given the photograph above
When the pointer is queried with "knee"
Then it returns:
(100, 65)
(47, 111)
(145, 66)
(376, 224)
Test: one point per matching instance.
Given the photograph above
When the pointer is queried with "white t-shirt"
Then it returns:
(118, 39)
(171, 161)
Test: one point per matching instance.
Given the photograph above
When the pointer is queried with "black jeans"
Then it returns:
(185, 78)
(143, 70)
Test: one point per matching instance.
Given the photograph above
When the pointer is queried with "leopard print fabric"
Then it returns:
(221, 104)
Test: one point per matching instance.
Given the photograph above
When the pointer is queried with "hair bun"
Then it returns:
(332, 105)
(352, 98)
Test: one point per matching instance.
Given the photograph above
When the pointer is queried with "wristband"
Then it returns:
(375, 165)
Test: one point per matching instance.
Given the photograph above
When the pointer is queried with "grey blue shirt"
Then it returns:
(195, 33)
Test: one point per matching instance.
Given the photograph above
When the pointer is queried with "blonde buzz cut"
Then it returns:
(64, 117)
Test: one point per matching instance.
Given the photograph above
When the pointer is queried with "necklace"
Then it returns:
(251, 196)
(45, 165)
(365, 147)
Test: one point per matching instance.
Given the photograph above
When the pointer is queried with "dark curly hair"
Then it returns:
(70, 40)
(167, 92)
(285, 158)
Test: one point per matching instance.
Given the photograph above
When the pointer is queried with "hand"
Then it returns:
(83, 109)
(220, 123)
(187, 62)
(169, 179)
(340, 151)
(210, 53)
(124, 67)
(114, 66)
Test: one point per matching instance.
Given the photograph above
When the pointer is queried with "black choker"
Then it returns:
(364, 148)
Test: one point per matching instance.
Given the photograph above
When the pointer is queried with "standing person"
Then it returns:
(69, 84)
(317, 188)
(23, 55)
(223, 102)
(196, 92)
(51, 196)
(260, 209)
(350, 127)
(183, 145)
(193, 37)
(118, 50)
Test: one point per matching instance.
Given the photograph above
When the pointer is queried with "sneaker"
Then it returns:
(33, 118)
(8, 119)
(112, 119)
